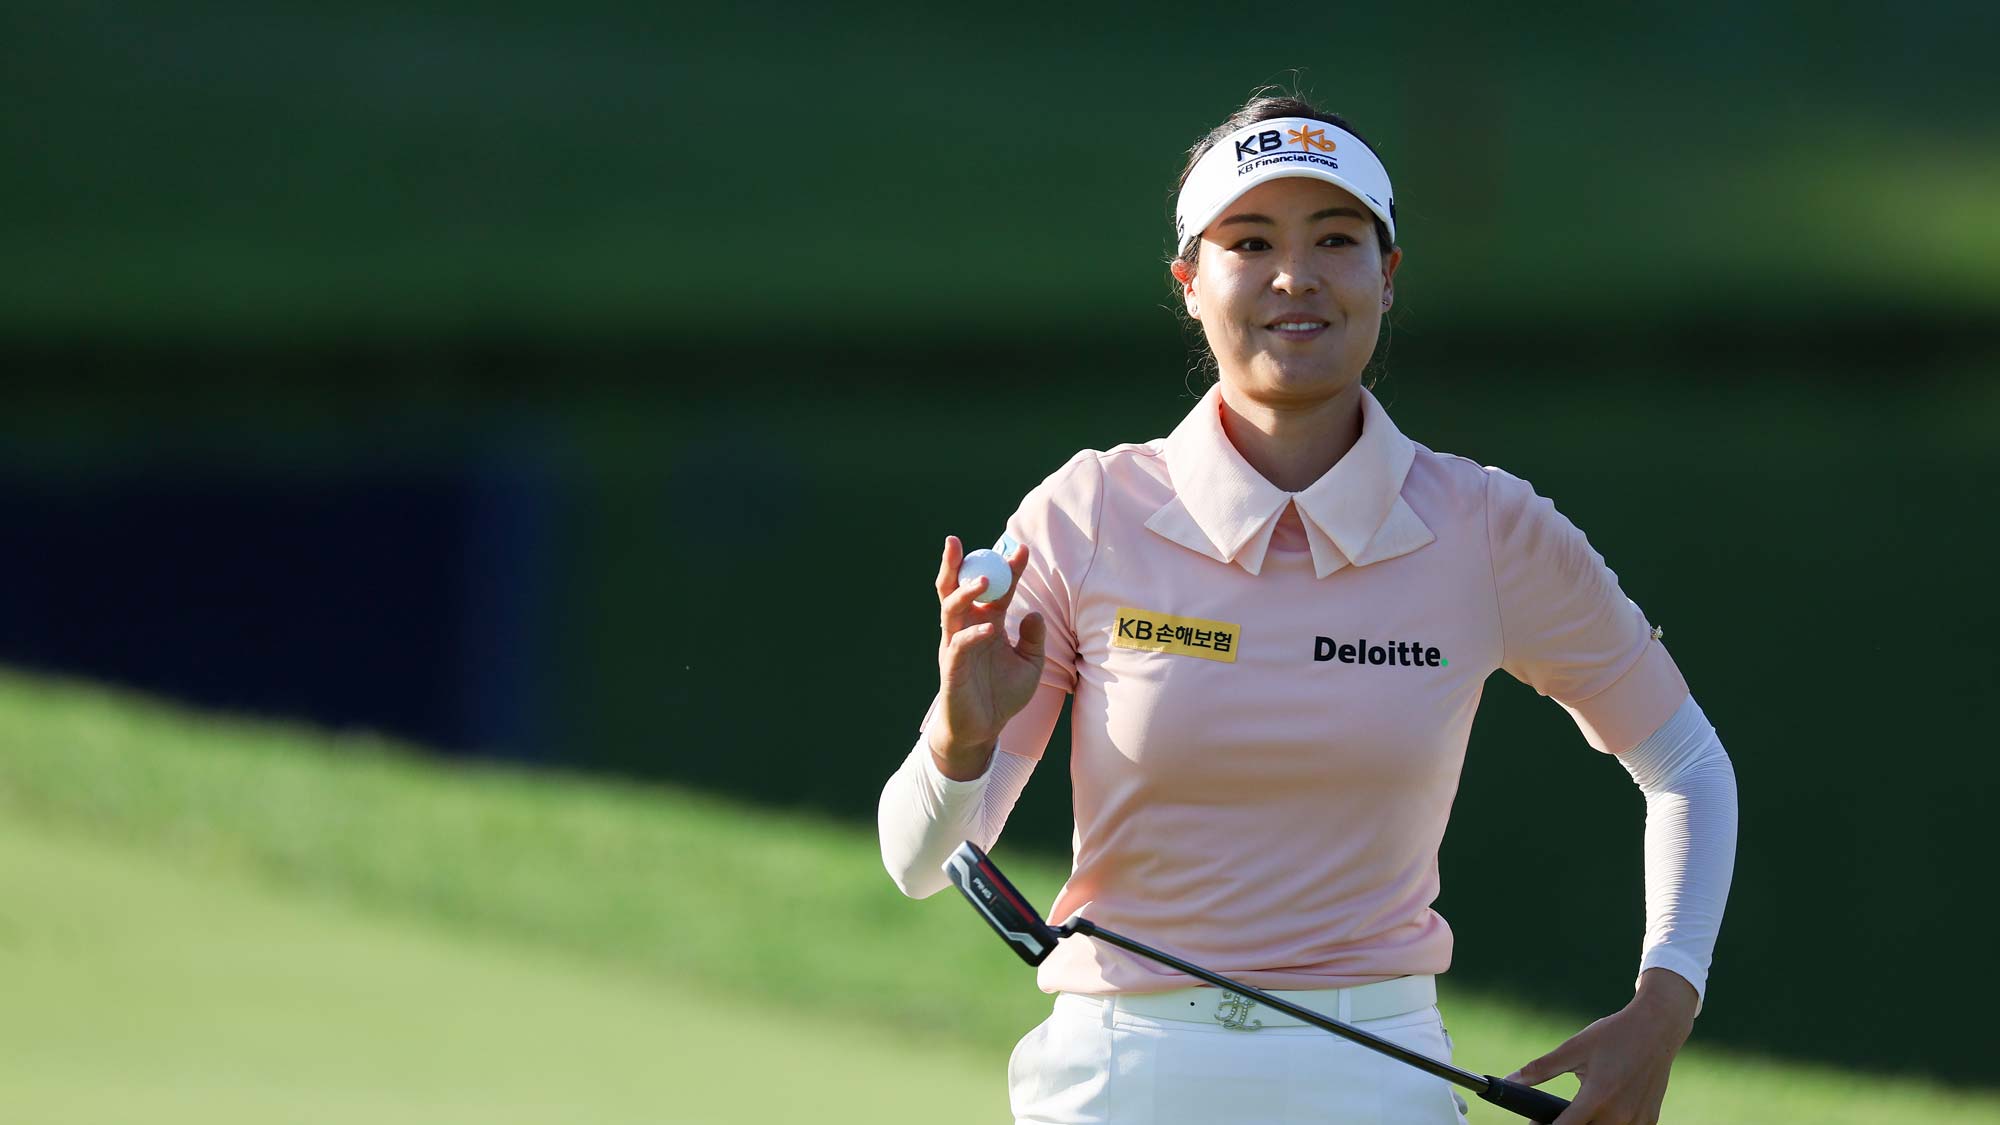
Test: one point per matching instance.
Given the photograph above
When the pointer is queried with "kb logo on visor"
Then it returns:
(1270, 140)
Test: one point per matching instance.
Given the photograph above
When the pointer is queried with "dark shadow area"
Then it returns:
(404, 602)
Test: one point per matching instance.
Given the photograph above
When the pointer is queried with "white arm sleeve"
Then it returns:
(924, 815)
(1690, 791)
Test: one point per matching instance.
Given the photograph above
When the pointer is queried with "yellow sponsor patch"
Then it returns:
(1183, 636)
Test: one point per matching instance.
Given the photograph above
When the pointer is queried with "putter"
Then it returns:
(1009, 914)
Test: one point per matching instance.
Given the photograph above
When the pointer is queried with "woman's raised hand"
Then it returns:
(982, 680)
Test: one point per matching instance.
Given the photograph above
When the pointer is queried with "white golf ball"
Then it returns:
(990, 566)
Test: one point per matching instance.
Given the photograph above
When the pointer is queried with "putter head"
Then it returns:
(1003, 907)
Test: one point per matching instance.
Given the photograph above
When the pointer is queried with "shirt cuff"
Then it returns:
(1680, 964)
(945, 792)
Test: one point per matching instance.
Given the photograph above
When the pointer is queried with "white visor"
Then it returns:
(1270, 150)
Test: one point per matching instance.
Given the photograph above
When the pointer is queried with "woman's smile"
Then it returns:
(1300, 327)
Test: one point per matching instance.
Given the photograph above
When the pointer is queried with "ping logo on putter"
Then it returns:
(1001, 906)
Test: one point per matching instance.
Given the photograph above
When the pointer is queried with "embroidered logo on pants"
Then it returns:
(1237, 1008)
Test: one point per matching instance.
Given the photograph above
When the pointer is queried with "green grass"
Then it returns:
(138, 988)
(239, 921)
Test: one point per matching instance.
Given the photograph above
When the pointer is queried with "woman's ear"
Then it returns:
(1390, 261)
(1184, 274)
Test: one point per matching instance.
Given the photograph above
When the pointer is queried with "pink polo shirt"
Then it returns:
(1273, 691)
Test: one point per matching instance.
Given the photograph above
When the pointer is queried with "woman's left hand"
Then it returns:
(1622, 1060)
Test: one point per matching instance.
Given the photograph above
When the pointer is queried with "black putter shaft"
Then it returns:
(1008, 912)
(1524, 1100)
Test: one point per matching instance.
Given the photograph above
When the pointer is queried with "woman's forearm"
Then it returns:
(1691, 813)
(923, 815)
(930, 806)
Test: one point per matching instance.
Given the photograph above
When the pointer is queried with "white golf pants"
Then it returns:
(1093, 1063)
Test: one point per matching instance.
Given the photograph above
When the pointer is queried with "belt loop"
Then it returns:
(1346, 1006)
(1108, 1013)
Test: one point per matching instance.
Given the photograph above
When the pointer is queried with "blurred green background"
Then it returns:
(592, 387)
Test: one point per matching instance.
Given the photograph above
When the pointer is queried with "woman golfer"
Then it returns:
(1275, 623)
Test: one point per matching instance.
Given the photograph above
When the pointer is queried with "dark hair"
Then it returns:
(1264, 107)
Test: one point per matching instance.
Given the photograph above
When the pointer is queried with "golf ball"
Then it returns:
(990, 566)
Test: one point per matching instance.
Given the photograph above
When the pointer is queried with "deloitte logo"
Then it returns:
(1403, 654)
